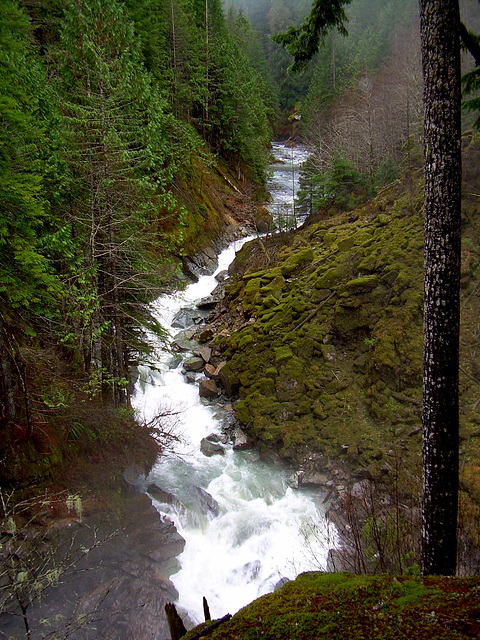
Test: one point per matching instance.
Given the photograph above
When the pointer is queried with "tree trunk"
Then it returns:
(440, 23)
(7, 390)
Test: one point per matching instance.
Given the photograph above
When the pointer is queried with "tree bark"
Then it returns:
(440, 26)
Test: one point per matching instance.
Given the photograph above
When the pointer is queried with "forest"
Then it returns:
(135, 144)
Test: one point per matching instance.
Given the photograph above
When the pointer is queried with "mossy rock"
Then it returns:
(296, 261)
(362, 285)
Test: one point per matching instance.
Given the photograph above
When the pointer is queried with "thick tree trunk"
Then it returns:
(440, 24)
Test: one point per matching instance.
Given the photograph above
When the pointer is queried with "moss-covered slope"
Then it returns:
(344, 606)
(328, 356)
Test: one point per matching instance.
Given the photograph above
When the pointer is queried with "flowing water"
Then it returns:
(245, 528)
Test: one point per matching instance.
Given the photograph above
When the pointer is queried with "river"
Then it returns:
(245, 529)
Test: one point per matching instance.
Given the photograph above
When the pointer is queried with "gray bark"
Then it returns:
(440, 25)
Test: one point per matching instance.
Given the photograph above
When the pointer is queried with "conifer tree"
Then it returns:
(114, 131)
(27, 284)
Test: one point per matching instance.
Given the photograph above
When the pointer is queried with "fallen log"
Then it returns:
(211, 627)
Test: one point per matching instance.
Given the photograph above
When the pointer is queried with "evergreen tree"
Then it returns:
(114, 132)
(27, 284)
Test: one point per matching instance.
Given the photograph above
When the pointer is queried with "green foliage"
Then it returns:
(303, 42)
(339, 185)
(26, 280)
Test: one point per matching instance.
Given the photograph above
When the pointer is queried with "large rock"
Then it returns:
(185, 318)
(206, 502)
(230, 380)
(241, 441)
(124, 576)
(221, 276)
(209, 448)
(210, 371)
(205, 334)
(195, 363)
(214, 298)
(263, 219)
(205, 353)
(182, 341)
(160, 494)
(208, 389)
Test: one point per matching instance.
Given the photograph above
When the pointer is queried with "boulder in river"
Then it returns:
(222, 275)
(160, 494)
(241, 441)
(209, 448)
(208, 389)
(195, 363)
(182, 341)
(185, 318)
(207, 502)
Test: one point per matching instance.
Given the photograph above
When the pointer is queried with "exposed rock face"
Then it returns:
(121, 586)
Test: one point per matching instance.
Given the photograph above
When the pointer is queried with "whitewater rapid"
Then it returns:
(245, 529)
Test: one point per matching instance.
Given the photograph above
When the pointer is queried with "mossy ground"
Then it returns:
(344, 606)
(326, 346)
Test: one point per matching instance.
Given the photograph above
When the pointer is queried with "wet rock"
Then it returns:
(182, 341)
(195, 363)
(241, 441)
(160, 494)
(125, 575)
(207, 502)
(208, 389)
(205, 334)
(191, 377)
(209, 448)
(205, 353)
(185, 318)
(280, 583)
(221, 276)
(174, 362)
(214, 298)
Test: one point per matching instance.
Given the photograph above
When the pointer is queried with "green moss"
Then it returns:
(282, 354)
(343, 606)
(296, 261)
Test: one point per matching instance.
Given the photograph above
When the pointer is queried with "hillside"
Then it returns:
(323, 341)
(344, 606)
